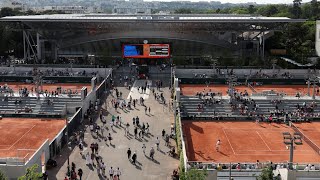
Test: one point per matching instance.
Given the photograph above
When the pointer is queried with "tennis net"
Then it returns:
(306, 139)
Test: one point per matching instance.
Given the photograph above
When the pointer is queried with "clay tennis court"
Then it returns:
(192, 89)
(242, 142)
(290, 90)
(49, 87)
(311, 130)
(28, 134)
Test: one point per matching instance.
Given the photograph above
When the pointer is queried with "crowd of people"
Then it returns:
(138, 130)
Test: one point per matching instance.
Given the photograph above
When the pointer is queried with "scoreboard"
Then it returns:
(146, 50)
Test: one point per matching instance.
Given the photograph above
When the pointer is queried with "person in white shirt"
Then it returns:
(103, 169)
(144, 148)
(157, 143)
(218, 145)
(111, 172)
(118, 172)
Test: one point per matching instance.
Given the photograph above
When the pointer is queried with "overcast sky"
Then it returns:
(244, 1)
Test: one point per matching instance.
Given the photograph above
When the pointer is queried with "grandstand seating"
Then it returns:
(38, 106)
(189, 106)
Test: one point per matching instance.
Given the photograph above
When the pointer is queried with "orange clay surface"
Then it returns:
(192, 89)
(20, 133)
(50, 87)
(287, 89)
(311, 130)
(244, 142)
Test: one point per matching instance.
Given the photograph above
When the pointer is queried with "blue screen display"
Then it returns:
(133, 50)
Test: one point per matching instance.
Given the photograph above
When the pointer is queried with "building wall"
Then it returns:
(318, 38)
(15, 171)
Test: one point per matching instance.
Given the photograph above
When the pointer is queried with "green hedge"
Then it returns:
(178, 135)
(179, 143)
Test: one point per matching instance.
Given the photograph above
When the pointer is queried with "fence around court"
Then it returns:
(249, 166)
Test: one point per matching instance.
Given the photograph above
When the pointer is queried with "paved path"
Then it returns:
(116, 156)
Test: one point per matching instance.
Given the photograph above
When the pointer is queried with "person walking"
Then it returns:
(140, 134)
(80, 173)
(144, 149)
(111, 172)
(163, 133)
(96, 148)
(147, 128)
(218, 145)
(127, 129)
(157, 143)
(118, 173)
(103, 169)
(134, 157)
(109, 138)
(167, 140)
(152, 153)
(129, 153)
(135, 132)
(149, 110)
(88, 160)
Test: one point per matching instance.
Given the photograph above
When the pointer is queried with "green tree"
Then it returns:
(194, 174)
(251, 9)
(314, 9)
(31, 173)
(3, 175)
(266, 174)
(296, 9)
(183, 11)
(268, 10)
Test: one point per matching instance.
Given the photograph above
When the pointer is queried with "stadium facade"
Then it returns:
(80, 35)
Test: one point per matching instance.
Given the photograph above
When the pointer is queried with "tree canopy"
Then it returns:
(31, 173)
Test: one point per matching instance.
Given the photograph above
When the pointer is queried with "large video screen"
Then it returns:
(146, 50)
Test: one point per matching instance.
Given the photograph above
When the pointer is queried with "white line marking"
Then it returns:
(228, 141)
(21, 137)
(274, 150)
(131, 89)
(268, 154)
(263, 140)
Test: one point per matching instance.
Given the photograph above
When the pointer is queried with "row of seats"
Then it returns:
(57, 105)
(189, 107)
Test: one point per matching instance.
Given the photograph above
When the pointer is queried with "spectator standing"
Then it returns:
(134, 157)
(111, 172)
(80, 173)
(118, 173)
(152, 153)
(144, 148)
(157, 143)
(129, 153)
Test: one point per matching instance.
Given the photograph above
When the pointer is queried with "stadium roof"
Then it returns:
(219, 18)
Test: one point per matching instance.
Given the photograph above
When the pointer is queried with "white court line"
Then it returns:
(274, 150)
(21, 137)
(261, 129)
(269, 154)
(228, 141)
(263, 140)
